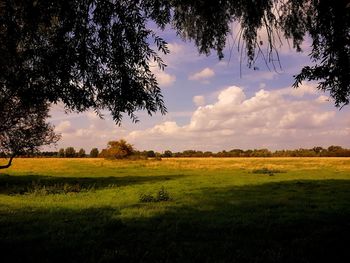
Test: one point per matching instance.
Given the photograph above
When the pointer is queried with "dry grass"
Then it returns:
(210, 210)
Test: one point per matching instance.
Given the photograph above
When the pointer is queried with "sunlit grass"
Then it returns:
(50, 207)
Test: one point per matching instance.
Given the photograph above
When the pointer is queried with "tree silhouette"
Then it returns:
(70, 152)
(81, 153)
(26, 130)
(96, 54)
(60, 153)
(86, 54)
(94, 153)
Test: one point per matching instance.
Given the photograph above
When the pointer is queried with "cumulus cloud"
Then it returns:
(202, 75)
(64, 127)
(273, 119)
(164, 79)
(322, 99)
(199, 100)
(176, 48)
(86, 130)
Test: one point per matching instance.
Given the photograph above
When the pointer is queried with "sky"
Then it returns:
(220, 105)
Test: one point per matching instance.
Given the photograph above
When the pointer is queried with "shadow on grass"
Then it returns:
(294, 221)
(13, 185)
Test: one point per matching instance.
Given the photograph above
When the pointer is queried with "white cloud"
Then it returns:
(176, 48)
(199, 100)
(181, 57)
(273, 119)
(86, 130)
(64, 127)
(164, 79)
(322, 99)
(202, 75)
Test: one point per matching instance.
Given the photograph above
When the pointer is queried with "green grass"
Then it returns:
(203, 210)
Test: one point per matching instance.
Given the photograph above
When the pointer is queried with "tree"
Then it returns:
(96, 54)
(60, 153)
(70, 152)
(81, 153)
(117, 150)
(24, 130)
(94, 153)
(326, 22)
(87, 54)
(151, 154)
(167, 153)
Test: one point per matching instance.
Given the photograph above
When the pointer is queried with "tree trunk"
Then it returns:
(9, 163)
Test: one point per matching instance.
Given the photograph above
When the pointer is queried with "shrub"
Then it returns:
(146, 198)
(162, 196)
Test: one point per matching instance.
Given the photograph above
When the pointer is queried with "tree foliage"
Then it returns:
(96, 54)
(326, 22)
(70, 152)
(60, 153)
(24, 130)
(81, 153)
(117, 150)
(87, 54)
(94, 153)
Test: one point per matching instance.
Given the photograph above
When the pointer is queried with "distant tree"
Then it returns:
(60, 153)
(318, 149)
(335, 148)
(94, 153)
(167, 153)
(207, 154)
(117, 150)
(236, 153)
(47, 154)
(81, 153)
(24, 129)
(189, 153)
(150, 154)
(70, 152)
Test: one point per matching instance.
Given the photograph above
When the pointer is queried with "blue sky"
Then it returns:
(215, 105)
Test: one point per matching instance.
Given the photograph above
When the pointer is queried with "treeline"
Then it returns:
(126, 151)
(331, 151)
(69, 152)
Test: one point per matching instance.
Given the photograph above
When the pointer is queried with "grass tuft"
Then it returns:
(37, 188)
(162, 196)
(267, 171)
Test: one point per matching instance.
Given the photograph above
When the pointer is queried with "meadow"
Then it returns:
(176, 210)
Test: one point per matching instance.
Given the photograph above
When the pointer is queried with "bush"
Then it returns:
(146, 198)
(162, 196)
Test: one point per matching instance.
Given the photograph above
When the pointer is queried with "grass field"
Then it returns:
(176, 210)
